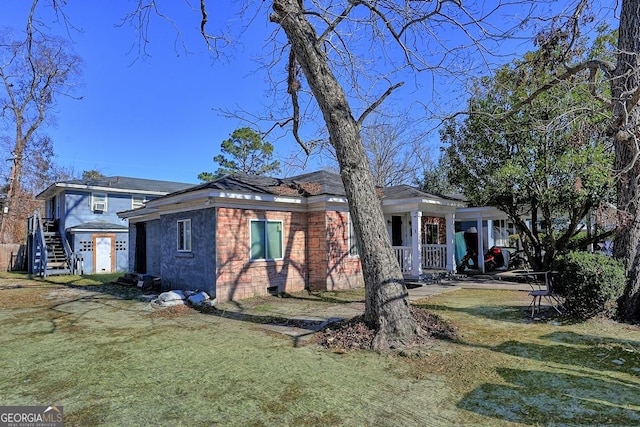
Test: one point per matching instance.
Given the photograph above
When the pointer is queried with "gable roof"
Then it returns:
(402, 192)
(314, 188)
(309, 184)
(116, 184)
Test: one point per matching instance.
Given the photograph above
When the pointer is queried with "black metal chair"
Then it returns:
(543, 292)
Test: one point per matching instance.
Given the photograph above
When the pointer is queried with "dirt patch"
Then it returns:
(172, 312)
(355, 334)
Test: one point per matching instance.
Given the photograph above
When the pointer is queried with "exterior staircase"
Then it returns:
(49, 253)
(57, 262)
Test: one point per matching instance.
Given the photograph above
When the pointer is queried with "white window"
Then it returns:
(353, 243)
(138, 201)
(266, 239)
(184, 235)
(99, 202)
(501, 232)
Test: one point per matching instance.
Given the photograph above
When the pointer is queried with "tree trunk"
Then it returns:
(387, 307)
(627, 120)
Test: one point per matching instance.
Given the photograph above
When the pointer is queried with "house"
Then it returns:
(242, 236)
(80, 230)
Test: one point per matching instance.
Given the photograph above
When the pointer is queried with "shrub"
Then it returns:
(590, 283)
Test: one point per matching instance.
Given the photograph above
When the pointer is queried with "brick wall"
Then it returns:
(237, 276)
(323, 236)
(342, 270)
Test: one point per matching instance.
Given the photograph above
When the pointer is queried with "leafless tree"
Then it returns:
(343, 59)
(35, 69)
(395, 147)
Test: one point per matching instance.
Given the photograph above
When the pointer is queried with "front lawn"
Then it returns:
(112, 360)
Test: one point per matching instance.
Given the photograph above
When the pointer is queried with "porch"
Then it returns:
(432, 257)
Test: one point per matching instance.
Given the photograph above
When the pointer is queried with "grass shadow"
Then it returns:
(535, 397)
(506, 313)
(583, 354)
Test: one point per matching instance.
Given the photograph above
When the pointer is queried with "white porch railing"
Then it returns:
(433, 257)
(403, 255)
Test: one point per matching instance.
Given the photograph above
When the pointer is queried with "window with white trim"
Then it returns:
(353, 242)
(266, 239)
(184, 235)
(138, 201)
(99, 202)
(431, 234)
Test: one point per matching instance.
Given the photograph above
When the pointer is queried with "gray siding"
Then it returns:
(132, 248)
(78, 209)
(83, 243)
(189, 270)
(154, 255)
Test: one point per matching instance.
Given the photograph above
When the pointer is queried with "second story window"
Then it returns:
(138, 201)
(184, 235)
(98, 202)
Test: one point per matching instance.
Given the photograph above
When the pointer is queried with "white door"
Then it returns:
(103, 254)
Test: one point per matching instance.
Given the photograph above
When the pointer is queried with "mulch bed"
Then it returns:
(355, 334)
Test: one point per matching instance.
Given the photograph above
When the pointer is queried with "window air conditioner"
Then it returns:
(99, 206)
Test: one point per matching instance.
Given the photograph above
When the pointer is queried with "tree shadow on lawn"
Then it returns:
(339, 297)
(556, 398)
(507, 313)
(585, 352)
(588, 380)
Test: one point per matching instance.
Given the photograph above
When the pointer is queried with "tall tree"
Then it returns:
(92, 174)
(435, 177)
(35, 69)
(368, 47)
(248, 153)
(625, 94)
(550, 162)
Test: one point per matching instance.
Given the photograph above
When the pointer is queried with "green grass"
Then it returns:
(113, 360)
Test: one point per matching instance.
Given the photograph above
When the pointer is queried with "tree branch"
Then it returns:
(377, 103)
(593, 65)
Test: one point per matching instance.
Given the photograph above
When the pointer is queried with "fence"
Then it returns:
(13, 257)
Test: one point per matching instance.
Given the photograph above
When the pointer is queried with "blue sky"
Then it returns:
(157, 117)
(154, 117)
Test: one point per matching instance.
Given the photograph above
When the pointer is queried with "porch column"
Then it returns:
(480, 243)
(416, 243)
(450, 221)
(491, 238)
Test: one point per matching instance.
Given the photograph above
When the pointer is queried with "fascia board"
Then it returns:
(320, 203)
(100, 189)
(472, 213)
(421, 201)
(144, 218)
(210, 199)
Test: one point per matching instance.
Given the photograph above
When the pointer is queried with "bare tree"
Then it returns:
(406, 24)
(395, 148)
(345, 58)
(34, 70)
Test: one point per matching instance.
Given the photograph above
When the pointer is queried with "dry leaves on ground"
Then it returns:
(355, 334)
